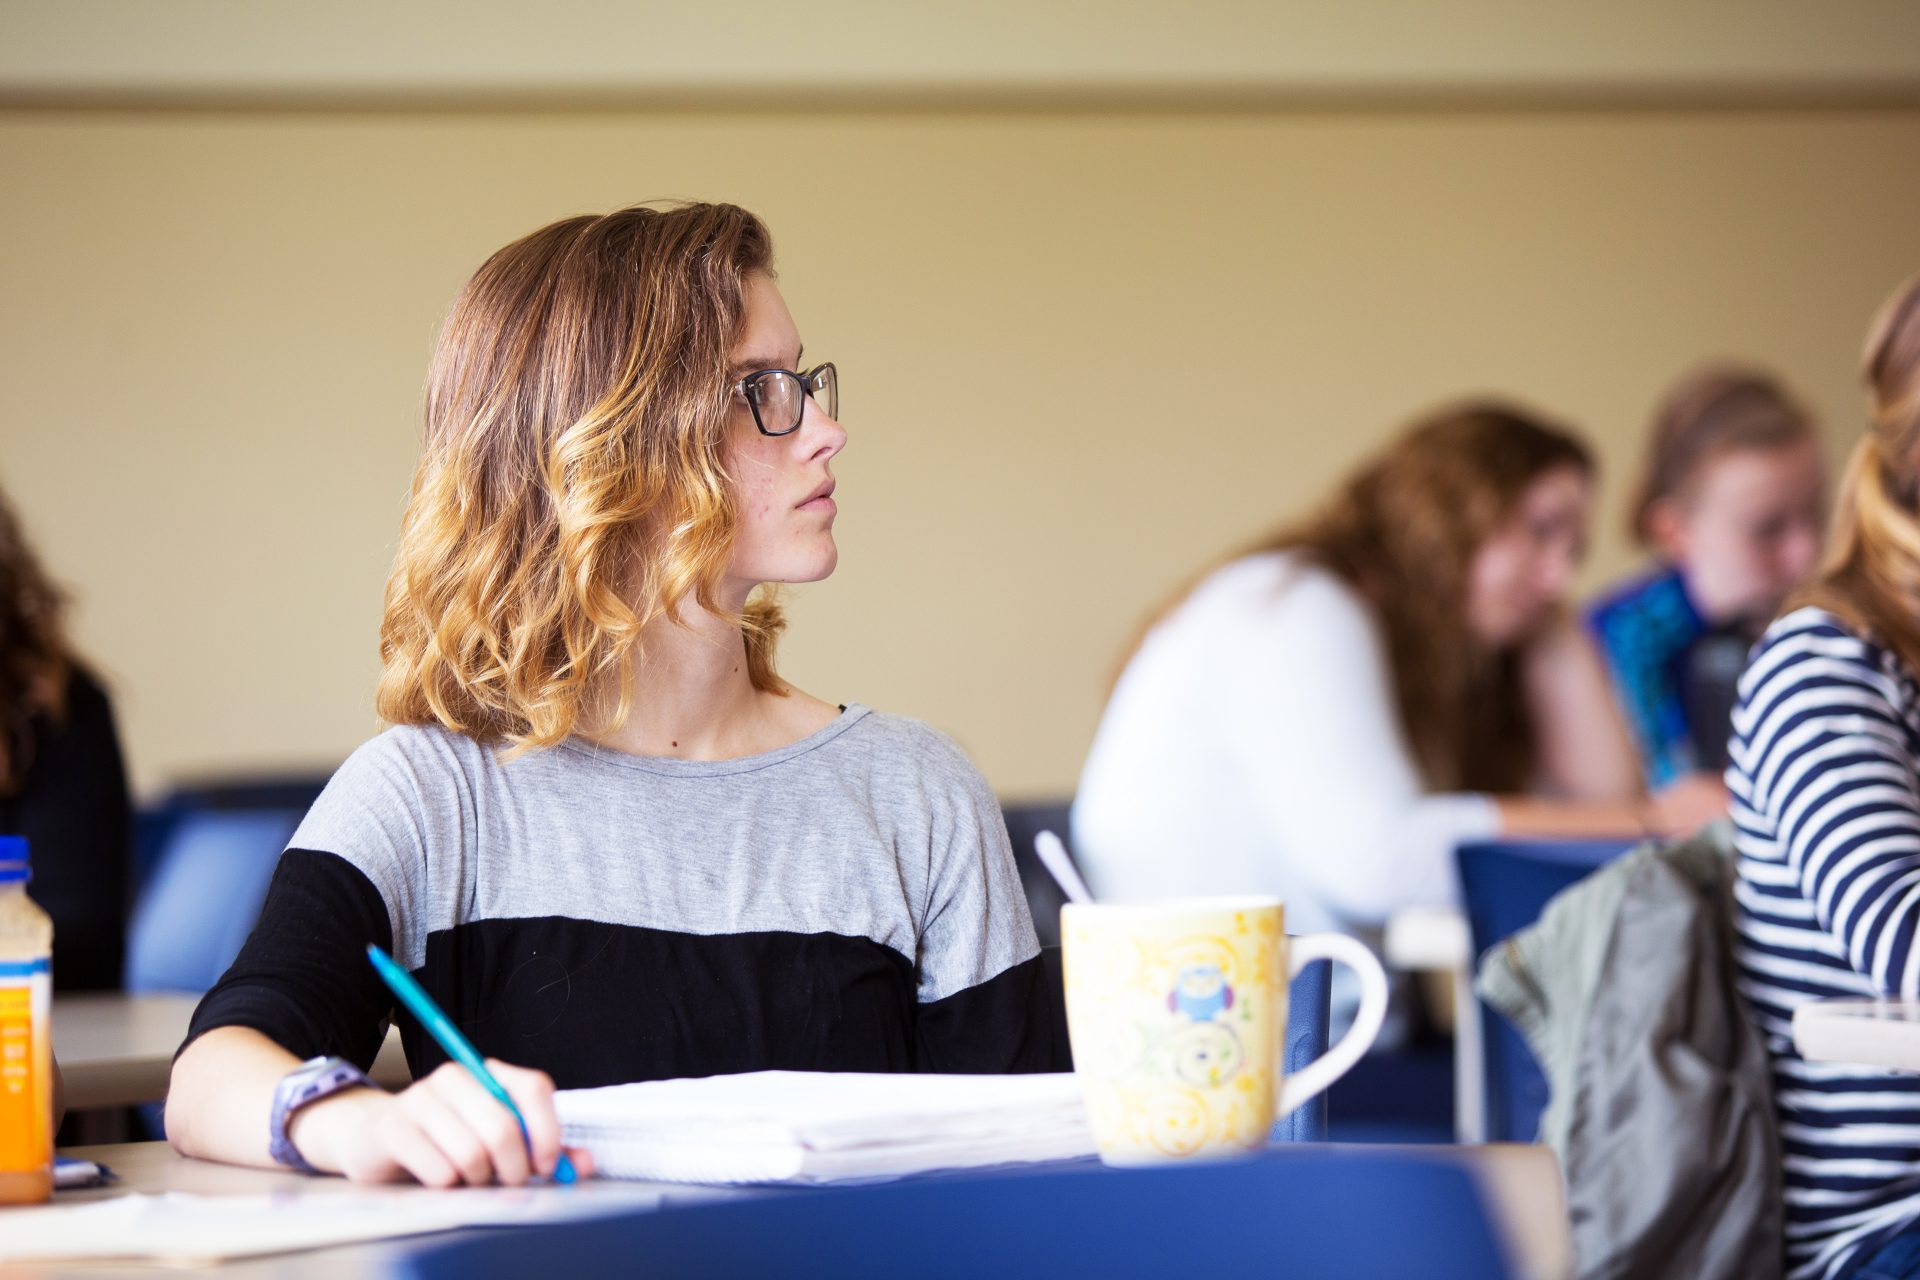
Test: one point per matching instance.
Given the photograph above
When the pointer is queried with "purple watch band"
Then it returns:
(309, 1082)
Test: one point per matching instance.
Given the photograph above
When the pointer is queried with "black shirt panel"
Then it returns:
(596, 1004)
(593, 1003)
(1024, 1006)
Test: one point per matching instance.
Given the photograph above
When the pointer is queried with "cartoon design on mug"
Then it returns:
(1206, 1054)
(1200, 992)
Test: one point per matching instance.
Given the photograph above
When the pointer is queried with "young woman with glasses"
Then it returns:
(603, 832)
(1328, 714)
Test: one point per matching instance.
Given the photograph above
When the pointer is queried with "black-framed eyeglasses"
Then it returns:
(778, 397)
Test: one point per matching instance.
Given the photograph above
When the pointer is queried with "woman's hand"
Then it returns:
(1683, 807)
(442, 1131)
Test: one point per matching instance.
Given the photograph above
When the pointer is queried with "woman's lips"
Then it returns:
(821, 499)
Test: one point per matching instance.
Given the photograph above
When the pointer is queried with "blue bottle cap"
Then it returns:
(13, 859)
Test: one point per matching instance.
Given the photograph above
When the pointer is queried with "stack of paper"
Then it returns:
(189, 1229)
(803, 1126)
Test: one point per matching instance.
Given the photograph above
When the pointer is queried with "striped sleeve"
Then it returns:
(1826, 768)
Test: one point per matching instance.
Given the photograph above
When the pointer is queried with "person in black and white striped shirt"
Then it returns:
(1825, 785)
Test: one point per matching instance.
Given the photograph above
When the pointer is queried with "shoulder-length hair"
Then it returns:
(1871, 575)
(574, 485)
(1402, 531)
(35, 659)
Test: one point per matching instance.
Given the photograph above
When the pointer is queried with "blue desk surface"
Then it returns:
(1296, 1212)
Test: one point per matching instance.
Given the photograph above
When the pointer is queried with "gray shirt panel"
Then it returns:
(876, 826)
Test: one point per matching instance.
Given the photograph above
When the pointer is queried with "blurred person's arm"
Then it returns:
(1676, 810)
(1585, 753)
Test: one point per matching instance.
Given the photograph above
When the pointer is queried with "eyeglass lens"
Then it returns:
(780, 398)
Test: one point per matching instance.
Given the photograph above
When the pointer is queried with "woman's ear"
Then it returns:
(1665, 526)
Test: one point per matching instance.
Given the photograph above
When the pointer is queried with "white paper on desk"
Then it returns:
(809, 1126)
(178, 1227)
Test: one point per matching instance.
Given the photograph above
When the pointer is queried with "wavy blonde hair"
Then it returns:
(1871, 575)
(574, 486)
(1403, 531)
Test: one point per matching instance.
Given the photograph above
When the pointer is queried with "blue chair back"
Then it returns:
(1507, 883)
(1294, 1211)
(1044, 898)
(202, 894)
(1309, 1007)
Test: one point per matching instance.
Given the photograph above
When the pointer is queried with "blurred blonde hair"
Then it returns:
(1871, 575)
(573, 488)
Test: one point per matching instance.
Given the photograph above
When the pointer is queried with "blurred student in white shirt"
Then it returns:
(1326, 715)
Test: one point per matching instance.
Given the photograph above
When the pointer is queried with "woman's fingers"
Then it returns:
(408, 1147)
(532, 1092)
(445, 1130)
(489, 1120)
(430, 1104)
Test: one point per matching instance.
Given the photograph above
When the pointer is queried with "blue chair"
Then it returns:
(200, 897)
(1507, 883)
(1309, 1005)
(154, 824)
(1291, 1211)
(1309, 1009)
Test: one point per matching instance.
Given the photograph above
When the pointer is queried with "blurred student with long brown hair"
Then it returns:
(1328, 714)
(605, 834)
(1730, 503)
(63, 784)
(1825, 780)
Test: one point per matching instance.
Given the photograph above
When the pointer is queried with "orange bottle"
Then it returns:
(26, 1047)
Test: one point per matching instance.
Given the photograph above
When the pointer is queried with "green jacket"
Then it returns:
(1661, 1108)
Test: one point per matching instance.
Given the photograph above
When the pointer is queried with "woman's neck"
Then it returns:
(691, 697)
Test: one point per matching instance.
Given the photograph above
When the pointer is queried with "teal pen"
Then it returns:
(441, 1028)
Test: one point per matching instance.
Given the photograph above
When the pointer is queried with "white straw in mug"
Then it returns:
(1059, 865)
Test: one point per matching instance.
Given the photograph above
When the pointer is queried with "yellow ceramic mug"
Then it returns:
(1178, 1011)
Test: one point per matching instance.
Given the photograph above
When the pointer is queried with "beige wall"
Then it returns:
(1081, 353)
(569, 48)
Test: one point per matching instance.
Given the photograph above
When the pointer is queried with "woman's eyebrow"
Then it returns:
(753, 364)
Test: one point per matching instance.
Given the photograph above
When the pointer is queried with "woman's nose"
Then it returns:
(825, 434)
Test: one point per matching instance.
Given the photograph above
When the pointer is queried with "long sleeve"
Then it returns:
(1822, 758)
(1313, 727)
(303, 979)
(984, 998)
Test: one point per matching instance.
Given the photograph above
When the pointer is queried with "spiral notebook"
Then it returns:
(816, 1127)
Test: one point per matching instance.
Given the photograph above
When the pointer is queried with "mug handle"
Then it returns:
(1337, 1061)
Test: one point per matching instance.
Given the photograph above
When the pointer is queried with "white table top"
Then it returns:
(116, 1050)
(1868, 1033)
(1428, 938)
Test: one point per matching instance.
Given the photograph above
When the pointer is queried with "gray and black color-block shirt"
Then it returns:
(845, 903)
